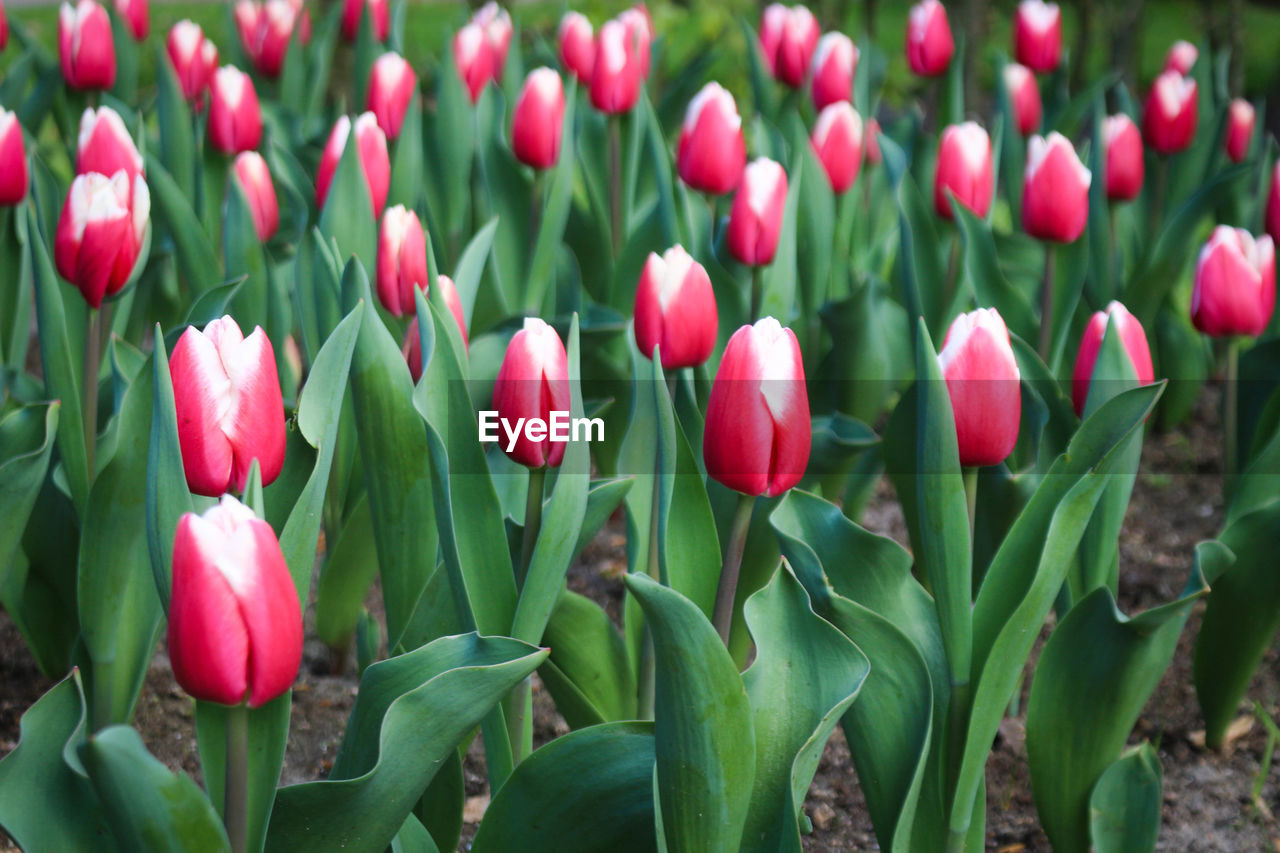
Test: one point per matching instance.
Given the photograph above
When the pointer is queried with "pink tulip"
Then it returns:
(235, 118)
(755, 220)
(1125, 168)
(105, 146)
(788, 38)
(1024, 97)
(711, 153)
(984, 385)
(371, 147)
(538, 120)
(496, 24)
(873, 142)
(379, 17)
(1037, 35)
(533, 382)
(577, 46)
(1055, 190)
(194, 58)
(617, 70)
(137, 16)
(402, 260)
(1132, 337)
(675, 310)
(14, 176)
(85, 47)
(1171, 112)
(929, 42)
(1181, 57)
(259, 190)
(412, 349)
(392, 83)
(1240, 120)
(100, 233)
(964, 169)
(639, 27)
(266, 29)
(1235, 284)
(837, 140)
(834, 64)
(472, 59)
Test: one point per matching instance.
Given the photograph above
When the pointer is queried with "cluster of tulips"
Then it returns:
(255, 369)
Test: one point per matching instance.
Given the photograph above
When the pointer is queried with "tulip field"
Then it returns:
(682, 428)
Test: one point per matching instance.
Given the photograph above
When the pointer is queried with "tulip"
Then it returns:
(1181, 57)
(1240, 119)
(1125, 167)
(14, 176)
(873, 142)
(577, 46)
(105, 146)
(235, 118)
(227, 396)
(265, 31)
(964, 169)
(371, 146)
(755, 221)
(1024, 97)
(100, 233)
(788, 38)
(194, 58)
(392, 83)
(837, 140)
(538, 120)
(617, 70)
(379, 17)
(472, 59)
(85, 48)
(1055, 190)
(639, 27)
(1132, 337)
(711, 153)
(834, 64)
(1235, 284)
(402, 259)
(533, 382)
(984, 385)
(929, 42)
(412, 349)
(757, 434)
(675, 310)
(255, 180)
(494, 21)
(137, 15)
(1037, 35)
(235, 625)
(1170, 115)
(1273, 204)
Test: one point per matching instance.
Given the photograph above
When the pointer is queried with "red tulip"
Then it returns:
(1273, 204)
(1132, 337)
(194, 58)
(235, 118)
(137, 15)
(255, 179)
(834, 64)
(85, 48)
(873, 142)
(617, 70)
(1170, 115)
(757, 434)
(105, 146)
(496, 24)
(675, 310)
(412, 349)
(371, 146)
(639, 26)
(1240, 119)
(472, 59)
(964, 168)
(755, 220)
(235, 625)
(100, 233)
(1181, 57)
(1024, 97)
(402, 259)
(711, 153)
(538, 120)
(14, 176)
(929, 42)
(1037, 35)
(533, 382)
(379, 17)
(1235, 284)
(392, 83)
(227, 396)
(984, 385)
(266, 28)
(1055, 190)
(577, 46)
(837, 140)
(788, 38)
(1125, 169)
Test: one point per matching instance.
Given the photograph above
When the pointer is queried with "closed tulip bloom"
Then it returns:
(639, 27)
(1125, 167)
(255, 179)
(873, 142)
(266, 29)
(371, 146)
(755, 221)
(834, 64)
(235, 625)
(617, 70)
(1235, 284)
(1024, 97)
(412, 349)
(379, 17)
(1055, 190)
(1181, 57)
(392, 83)
(1273, 204)
(137, 16)
(235, 118)
(226, 393)
(711, 153)
(675, 310)
(538, 120)
(1037, 35)
(1171, 112)
(533, 382)
(577, 46)
(85, 48)
(100, 233)
(984, 385)
(1240, 119)
(1132, 337)
(837, 140)
(105, 146)
(14, 176)
(964, 168)
(788, 38)
(194, 58)
(929, 42)
(472, 59)
(757, 434)
(494, 21)
(402, 259)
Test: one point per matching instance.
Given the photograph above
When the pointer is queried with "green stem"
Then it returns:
(757, 292)
(1155, 214)
(722, 616)
(971, 497)
(235, 815)
(953, 272)
(615, 184)
(532, 522)
(711, 227)
(91, 364)
(1230, 422)
(955, 841)
(654, 569)
(957, 728)
(1046, 305)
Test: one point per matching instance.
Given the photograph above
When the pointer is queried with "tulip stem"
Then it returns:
(92, 363)
(532, 522)
(1230, 421)
(236, 805)
(953, 272)
(757, 293)
(722, 616)
(615, 185)
(1046, 304)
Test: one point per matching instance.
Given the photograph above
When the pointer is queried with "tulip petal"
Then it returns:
(201, 398)
(254, 425)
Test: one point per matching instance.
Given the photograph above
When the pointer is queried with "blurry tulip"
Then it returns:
(1125, 168)
(617, 70)
(14, 176)
(1024, 97)
(1235, 284)
(711, 153)
(100, 233)
(266, 28)
(837, 140)
(755, 220)
(538, 120)
(494, 21)
(137, 16)
(392, 83)
(371, 147)
(1240, 120)
(402, 259)
(964, 168)
(472, 59)
(984, 385)
(577, 46)
(259, 190)
(105, 146)
(412, 349)
(873, 142)
(85, 48)
(379, 17)
(533, 382)
(675, 310)
(1055, 190)
(1171, 112)
(1037, 35)
(788, 38)
(235, 118)
(194, 58)
(834, 64)
(1181, 57)
(929, 42)
(639, 27)
(1132, 337)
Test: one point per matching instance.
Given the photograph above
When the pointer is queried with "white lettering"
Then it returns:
(513, 433)
(561, 428)
(488, 426)
(590, 426)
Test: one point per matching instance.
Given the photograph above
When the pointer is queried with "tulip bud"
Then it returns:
(371, 146)
(496, 24)
(984, 385)
(85, 47)
(1273, 204)
(755, 221)
(412, 349)
(964, 168)
(1024, 97)
(758, 433)
(1240, 119)
(577, 46)
(105, 146)
(1132, 337)
(1055, 190)
(929, 42)
(472, 59)
(226, 393)
(194, 58)
(235, 624)
(711, 153)
(1235, 284)
(235, 118)
(837, 140)
(14, 176)
(533, 382)
(675, 309)
(137, 15)
(873, 142)
(255, 179)
(1171, 112)
(538, 120)
(100, 233)
(639, 26)
(392, 83)
(402, 259)
(616, 71)
(1181, 57)
(788, 38)
(266, 29)
(379, 17)
(1037, 35)
(834, 64)
(1125, 169)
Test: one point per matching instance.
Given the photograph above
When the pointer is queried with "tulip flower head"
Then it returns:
(259, 190)
(495, 23)
(617, 72)
(472, 59)
(834, 64)
(964, 170)
(379, 18)
(1132, 337)
(675, 310)
(538, 120)
(85, 47)
(1181, 57)
(1125, 167)
(105, 146)
(392, 83)
(101, 232)
(639, 27)
(14, 175)
(371, 149)
(1235, 284)
(755, 220)
(837, 140)
(983, 383)
(1240, 121)
(1055, 190)
(711, 153)
(266, 28)
(1037, 35)
(1171, 112)
(235, 117)
(930, 45)
(788, 38)
(577, 46)
(402, 260)
(533, 382)
(1024, 97)
(137, 16)
(194, 58)
(412, 348)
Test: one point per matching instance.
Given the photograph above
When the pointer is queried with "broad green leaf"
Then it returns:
(173, 116)
(1124, 809)
(815, 229)
(171, 207)
(554, 215)
(467, 274)
(244, 256)
(779, 286)
(407, 163)
(990, 287)
(27, 435)
(919, 266)
(348, 216)
(454, 146)
(349, 570)
(588, 673)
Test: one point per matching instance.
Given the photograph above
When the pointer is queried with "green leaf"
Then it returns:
(779, 285)
(1101, 286)
(816, 228)
(349, 570)
(27, 435)
(470, 268)
(173, 116)
(244, 256)
(763, 90)
(554, 216)
(268, 735)
(170, 206)
(408, 161)
(348, 216)
(167, 496)
(990, 287)
(588, 673)
(1124, 809)
(919, 264)
(454, 145)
